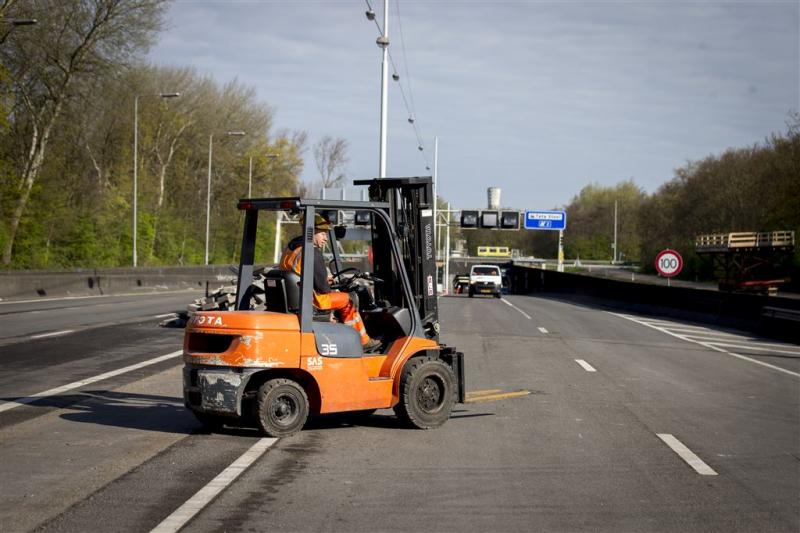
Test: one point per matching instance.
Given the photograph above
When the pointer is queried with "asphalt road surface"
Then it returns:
(579, 419)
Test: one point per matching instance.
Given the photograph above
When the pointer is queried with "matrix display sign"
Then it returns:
(469, 219)
(509, 220)
(489, 219)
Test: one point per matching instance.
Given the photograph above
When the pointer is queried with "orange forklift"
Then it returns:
(274, 368)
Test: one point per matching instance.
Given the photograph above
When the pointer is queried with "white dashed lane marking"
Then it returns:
(687, 455)
(586, 366)
(526, 315)
(543, 330)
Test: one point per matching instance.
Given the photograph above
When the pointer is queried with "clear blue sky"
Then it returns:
(537, 98)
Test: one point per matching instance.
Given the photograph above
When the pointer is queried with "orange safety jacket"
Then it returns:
(291, 260)
(335, 301)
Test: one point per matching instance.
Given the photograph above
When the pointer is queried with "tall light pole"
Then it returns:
(208, 185)
(383, 43)
(446, 280)
(614, 259)
(250, 179)
(435, 177)
(136, 159)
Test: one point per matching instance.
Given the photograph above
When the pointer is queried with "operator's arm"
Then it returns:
(320, 273)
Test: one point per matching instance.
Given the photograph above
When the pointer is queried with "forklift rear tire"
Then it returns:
(282, 407)
(427, 393)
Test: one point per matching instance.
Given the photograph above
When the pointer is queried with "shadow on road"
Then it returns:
(377, 420)
(147, 412)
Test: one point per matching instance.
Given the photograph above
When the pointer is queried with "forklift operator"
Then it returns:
(341, 303)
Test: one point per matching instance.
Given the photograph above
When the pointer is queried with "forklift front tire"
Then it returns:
(282, 407)
(427, 393)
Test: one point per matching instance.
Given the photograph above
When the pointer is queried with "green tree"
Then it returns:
(590, 222)
(73, 43)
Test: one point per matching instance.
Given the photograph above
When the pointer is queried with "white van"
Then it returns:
(485, 279)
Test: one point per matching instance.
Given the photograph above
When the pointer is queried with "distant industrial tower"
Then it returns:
(494, 197)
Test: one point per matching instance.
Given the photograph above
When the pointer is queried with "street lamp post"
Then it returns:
(250, 179)
(208, 185)
(136, 160)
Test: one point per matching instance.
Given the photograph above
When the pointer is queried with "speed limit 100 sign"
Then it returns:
(669, 263)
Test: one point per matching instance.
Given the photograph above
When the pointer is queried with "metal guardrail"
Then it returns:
(750, 240)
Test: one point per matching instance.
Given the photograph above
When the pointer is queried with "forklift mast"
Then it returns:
(411, 212)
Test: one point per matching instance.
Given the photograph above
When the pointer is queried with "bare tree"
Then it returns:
(75, 41)
(330, 155)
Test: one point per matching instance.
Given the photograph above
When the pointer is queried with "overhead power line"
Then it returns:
(408, 102)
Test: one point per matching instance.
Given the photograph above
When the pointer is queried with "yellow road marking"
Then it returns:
(470, 394)
(496, 397)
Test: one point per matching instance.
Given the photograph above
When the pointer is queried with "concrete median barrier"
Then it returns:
(86, 282)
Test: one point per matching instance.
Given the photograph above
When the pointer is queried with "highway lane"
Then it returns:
(581, 452)
(45, 344)
(20, 320)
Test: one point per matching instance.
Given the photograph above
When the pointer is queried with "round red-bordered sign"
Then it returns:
(669, 263)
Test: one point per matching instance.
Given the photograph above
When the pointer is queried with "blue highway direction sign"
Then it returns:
(546, 220)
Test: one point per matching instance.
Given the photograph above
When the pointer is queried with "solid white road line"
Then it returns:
(165, 315)
(7, 302)
(526, 315)
(586, 366)
(6, 406)
(699, 331)
(743, 341)
(52, 334)
(687, 455)
(670, 323)
(708, 345)
(203, 497)
(543, 330)
(756, 347)
(712, 337)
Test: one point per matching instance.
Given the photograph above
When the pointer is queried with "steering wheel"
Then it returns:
(341, 284)
(338, 275)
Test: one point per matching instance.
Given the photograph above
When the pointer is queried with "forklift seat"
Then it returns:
(282, 291)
